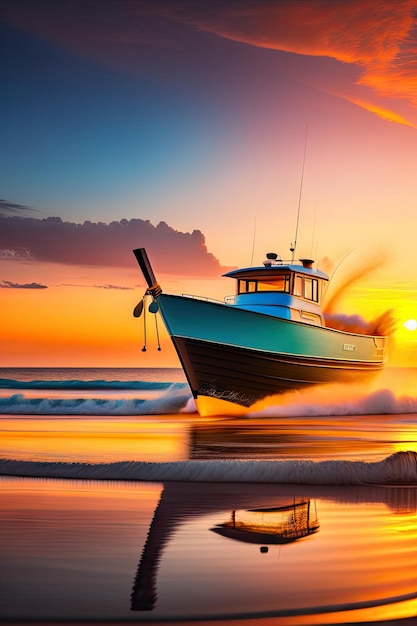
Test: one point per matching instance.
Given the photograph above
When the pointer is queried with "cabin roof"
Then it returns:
(277, 269)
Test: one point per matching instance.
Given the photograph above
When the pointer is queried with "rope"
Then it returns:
(155, 290)
(157, 333)
(144, 328)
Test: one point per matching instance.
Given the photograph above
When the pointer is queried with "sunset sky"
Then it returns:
(182, 126)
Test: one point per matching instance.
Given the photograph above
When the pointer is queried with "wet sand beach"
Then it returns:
(279, 520)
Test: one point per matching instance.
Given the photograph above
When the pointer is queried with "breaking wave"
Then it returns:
(397, 469)
(79, 385)
(174, 399)
(177, 398)
(338, 402)
(135, 397)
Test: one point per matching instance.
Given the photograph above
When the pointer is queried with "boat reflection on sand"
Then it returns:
(244, 550)
(273, 525)
(263, 517)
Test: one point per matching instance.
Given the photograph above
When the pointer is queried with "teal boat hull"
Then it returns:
(242, 356)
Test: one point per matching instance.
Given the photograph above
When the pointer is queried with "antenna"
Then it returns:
(294, 246)
(313, 243)
(253, 242)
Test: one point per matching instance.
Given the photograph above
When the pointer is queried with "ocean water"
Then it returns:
(120, 503)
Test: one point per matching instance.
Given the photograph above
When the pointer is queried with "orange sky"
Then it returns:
(182, 128)
(70, 326)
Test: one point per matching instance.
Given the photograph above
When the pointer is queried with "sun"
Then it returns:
(411, 324)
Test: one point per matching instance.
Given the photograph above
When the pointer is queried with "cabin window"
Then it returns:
(278, 283)
(305, 287)
(308, 288)
(246, 286)
(311, 289)
(299, 286)
(315, 290)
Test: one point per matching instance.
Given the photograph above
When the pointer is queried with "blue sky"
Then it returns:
(82, 137)
(194, 114)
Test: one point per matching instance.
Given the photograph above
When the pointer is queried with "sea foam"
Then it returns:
(397, 469)
(10, 383)
(338, 401)
(171, 398)
(176, 398)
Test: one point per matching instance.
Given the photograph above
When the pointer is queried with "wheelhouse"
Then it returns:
(282, 289)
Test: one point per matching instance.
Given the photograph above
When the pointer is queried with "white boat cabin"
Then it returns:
(282, 289)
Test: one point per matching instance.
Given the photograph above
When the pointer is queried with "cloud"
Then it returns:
(52, 240)
(13, 253)
(364, 32)
(8, 208)
(112, 287)
(385, 114)
(7, 284)
(377, 36)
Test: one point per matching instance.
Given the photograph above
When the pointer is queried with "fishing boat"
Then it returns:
(268, 338)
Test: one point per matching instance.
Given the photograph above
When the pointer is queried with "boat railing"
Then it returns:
(227, 299)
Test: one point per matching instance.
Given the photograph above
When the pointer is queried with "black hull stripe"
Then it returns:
(255, 374)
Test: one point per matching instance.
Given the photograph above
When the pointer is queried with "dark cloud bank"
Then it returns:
(52, 240)
(7, 284)
(9, 208)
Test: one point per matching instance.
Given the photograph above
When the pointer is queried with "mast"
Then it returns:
(294, 245)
